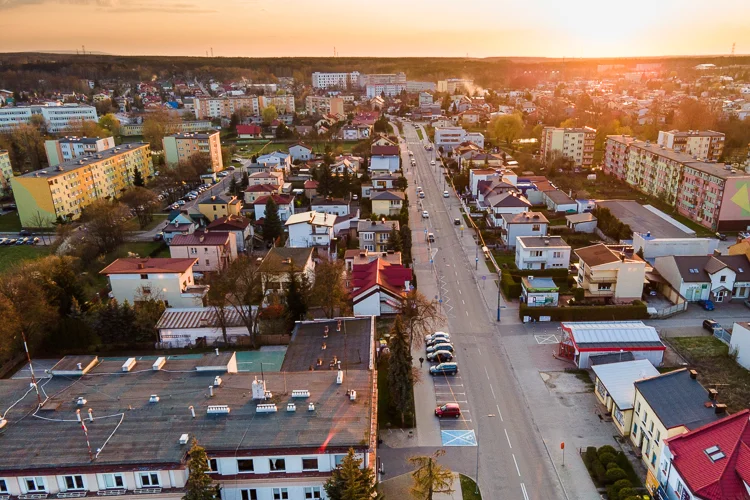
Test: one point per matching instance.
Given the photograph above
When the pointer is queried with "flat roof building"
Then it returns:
(180, 147)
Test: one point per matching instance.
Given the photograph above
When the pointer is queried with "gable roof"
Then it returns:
(506, 200)
(204, 238)
(391, 277)
(702, 266)
(280, 199)
(677, 399)
(384, 150)
(283, 259)
(148, 266)
(721, 478)
(596, 255)
(301, 145)
(217, 200)
(229, 223)
(387, 195)
(312, 217)
(262, 188)
(377, 226)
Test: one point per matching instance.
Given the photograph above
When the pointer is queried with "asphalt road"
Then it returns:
(513, 462)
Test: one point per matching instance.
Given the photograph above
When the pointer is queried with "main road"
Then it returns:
(513, 462)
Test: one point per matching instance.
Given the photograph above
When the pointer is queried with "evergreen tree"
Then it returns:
(394, 240)
(400, 376)
(199, 484)
(325, 181)
(138, 178)
(245, 182)
(349, 481)
(345, 184)
(296, 296)
(272, 227)
(234, 187)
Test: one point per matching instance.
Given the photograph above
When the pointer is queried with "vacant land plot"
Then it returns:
(642, 220)
(10, 223)
(13, 254)
(716, 368)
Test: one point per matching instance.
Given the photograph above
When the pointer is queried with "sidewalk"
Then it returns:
(400, 486)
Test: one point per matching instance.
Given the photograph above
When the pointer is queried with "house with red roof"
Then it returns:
(248, 131)
(379, 287)
(253, 192)
(284, 202)
(711, 462)
(213, 250)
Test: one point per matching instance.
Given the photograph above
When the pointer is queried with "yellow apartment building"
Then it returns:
(64, 190)
(6, 172)
(180, 147)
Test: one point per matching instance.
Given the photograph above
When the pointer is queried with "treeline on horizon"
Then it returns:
(25, 70)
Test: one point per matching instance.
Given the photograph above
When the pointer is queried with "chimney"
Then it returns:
(693, 374)
(141, 265)
(720, 408)
(713, 394)
(717, 253)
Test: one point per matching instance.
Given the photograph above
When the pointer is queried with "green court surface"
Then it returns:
(271, 357)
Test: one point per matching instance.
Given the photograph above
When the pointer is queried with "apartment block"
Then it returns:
(575, 144)
(385, 89)
(180, 147)
(452, 84)
(64, 190)
(382, 79)
(68, 148)
(283, 103)
(172, 128)
(713, 194)
(57, 117)
(6, 172)
(224, 107)
(701, 144)
(324, 105)
(452, 137)
(340, 80)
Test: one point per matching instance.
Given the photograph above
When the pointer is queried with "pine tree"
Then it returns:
(394, 240)
(349, 481)
(296, 296)
(234, 187)
(138, 178)
(272, 227)
(325, 181)
(199, 485)
(400, 376)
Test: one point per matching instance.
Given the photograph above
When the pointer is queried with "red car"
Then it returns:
(448, 410)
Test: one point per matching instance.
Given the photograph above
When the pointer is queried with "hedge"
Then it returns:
(637, 310)
(510, 287)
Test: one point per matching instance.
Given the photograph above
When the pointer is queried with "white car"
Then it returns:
(430, 337)
(432, 162)
(440, 347)
(425, 214)
(446, 194)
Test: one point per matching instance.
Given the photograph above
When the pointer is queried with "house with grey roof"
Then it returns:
(542, 252)
(719, 278)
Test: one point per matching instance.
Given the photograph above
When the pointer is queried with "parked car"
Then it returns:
(448, 410)
(159, 236)
(440, 356)
(425, 214)
(710, 325)
(456, 222)
(721, 236)
(25, 232)
(436, 335)
(431, 237)
(432, 162)
(11, 241)
(33, 241)
(708, 305)
(22, 241)
(443, 346)
(421, 194)
(444, 369)
(3, 240)
(180, 202)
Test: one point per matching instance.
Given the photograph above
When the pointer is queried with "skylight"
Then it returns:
(714, 453)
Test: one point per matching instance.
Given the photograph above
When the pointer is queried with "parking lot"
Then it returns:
(454, 431)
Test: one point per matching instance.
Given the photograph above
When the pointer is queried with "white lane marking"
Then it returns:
(493, 392)
(488, 373)
(462, 301)
(500, 413)
(515, 462)
(523, 490)
(467, 313)
(508, 438)
(459, 292)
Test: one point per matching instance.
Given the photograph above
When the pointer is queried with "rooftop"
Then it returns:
(696, 268)
(643, 219)
(312, 217)
(377, 226)
(85, 161)
(577, 218)
(196, 317)
(148, 266)
(206, 238)
(283, 259)
(229, 223)
(525, 218)
(312, 349)
(388, 195)
(597, 335)
(542, 241)
(195, 135)
(321, 201)
(618, 379)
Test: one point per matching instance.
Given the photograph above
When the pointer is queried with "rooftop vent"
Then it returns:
(81, 401)
(340, 377)
(259, 389)
(128, 364)
(300, 393)
(79, 366)
(218, 410)
(311, 407)
(159, 363)
(153, 399)
(266, 408)
(184, 439)
(712, 394)
(291, 407)
(217, 381)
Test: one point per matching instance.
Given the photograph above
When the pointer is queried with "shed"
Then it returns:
(581, 223)
(539, 291)
(188, 326)
(580, 340)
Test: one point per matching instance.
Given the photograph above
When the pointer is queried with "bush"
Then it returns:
(589, 457)
(627, 493)
(615, 474)
(612, 465)
(623, 483)
(586, 313)
(612, 492)
(599, 472)
(579, 294)
(607, 458)
(510, 287)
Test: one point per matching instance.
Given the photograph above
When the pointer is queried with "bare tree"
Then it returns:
(105, 224)
(420, 315)
(328, 291)
(245, 288)
(41, 221)
(220, 285)
(143, 202)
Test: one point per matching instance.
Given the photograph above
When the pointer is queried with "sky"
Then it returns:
(385, 28)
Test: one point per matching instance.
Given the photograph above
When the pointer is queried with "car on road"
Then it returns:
(747, 303)
(223, 174)
(32, 241)
(708, 305)
(448, 410)
(25, 232)
(456, 222)
(446, 194)
(443, 346)
(721, 236)
(425, 213)
(444, 369)
(159, 236)
(11, 241)
(411, 153)
(432, 162)
(431, 237)
(710, 325)
(440, 356)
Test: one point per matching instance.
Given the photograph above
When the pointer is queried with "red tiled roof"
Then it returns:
(261, 188)
(311, 184)
(148, 266)
(229, 223)
(280, 199)
(384, 150)
(207, 238)
(392, 277)
(248, 129)
(723, 478)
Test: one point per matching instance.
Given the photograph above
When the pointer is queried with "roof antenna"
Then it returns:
(31, 368)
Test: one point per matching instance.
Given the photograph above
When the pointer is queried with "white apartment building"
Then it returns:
(452, 84)
(282, 103)
(575, 144)
(67, 148)
(542, 252)
(6, 172)
(387, 89)
(703, 144)
(57, 117)
(224, 107)
(328, 80)
(451, 137)
(382, 79)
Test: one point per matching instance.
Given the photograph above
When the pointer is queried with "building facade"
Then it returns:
(375, 235)
(180, 147)
(283, 103)
(542, 252)
(67, 148)
(704, 144)
(56, 117)
(322, 80)
(6, 171)
(224, 107)
(451, 85)
(213, 250)
(63, 191)
(324, 105)
(575, 144)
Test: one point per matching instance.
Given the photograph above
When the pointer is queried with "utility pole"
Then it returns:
(31, 368)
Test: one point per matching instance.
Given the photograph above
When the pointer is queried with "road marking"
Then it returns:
(515, 462)
(508, 438)
(459, 291)
(500, 413)
(546, 339)
(488, 373)
(493, 392)
(523, 490)
(462, 301)
(467, 313)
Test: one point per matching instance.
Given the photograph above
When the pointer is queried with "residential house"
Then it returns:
(379, 287)
(668, 405)
(279, 262)
(311, 189)
(720, 278)
(240, 226)
(284, 203)
(355, 256)
(165, 279)
(505, 203)
(611, 274)
(374, 236)
(301, 152)
(308, 229)
(181, 223)
(273, 178)
(739, 344)
(333, 206)
(709, 462)
(542, 252)
(522, 224)
(581, 223)
(476, 175)
(614, 387)
(213, 207)
(181, 327)
(277, 160)
(557, 201)
(249, 131)
(539, 291)
(384, 159)
(492, 186)
(255, 191)
(382, 140)
(387, 202)
(212, 250)
(385, 181)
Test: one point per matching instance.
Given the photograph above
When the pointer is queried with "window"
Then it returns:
(536, 227)
(213, 465)
(337, 459)
(249, 494)
(638, 408)
(658, 437)
(536, 253)
(680, 488)
(112, 481)
(557, 255)
(653, 459)
(34, 484)
(277, 464)
(245, 465)
(635, 431)
(723, 279)
(208, 262)
(73, 482)
(645, 417)
(144, 276)
(280, 494)
(3, 486)
(312, 492)
(309, 464)
(149, 479)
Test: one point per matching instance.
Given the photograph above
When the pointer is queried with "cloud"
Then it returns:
(117, 6)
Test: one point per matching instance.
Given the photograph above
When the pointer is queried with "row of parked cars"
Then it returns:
(192, 195)
(440, 350)
(25, 240)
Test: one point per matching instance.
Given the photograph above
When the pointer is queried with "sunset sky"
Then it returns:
(551, 28)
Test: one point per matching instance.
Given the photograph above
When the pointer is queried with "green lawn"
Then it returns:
(419, 133)
(10, 223)
(10, 255)
(508, 258)
(132, 224)
(469, 488)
